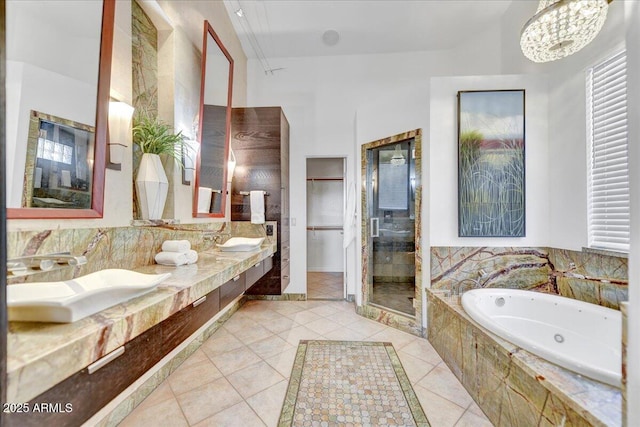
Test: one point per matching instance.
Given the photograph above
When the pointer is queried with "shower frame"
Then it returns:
(408, 323)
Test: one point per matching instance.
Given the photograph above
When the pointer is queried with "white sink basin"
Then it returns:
(72, 300)
(241, 244)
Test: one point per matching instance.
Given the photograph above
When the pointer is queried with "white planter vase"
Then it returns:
(152, 186)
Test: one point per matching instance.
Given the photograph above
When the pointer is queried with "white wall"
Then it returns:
(443, 215)
(323, 97)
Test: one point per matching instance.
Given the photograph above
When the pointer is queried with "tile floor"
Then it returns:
(323, 285)
(239, 376)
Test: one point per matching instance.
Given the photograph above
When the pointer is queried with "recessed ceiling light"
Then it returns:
(240, 12)
(330, 37)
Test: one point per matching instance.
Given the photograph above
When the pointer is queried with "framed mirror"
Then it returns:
(57, 79)
(210, 184)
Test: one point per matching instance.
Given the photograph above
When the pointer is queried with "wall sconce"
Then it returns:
(231, 166)
(120, 114)
(190, 150)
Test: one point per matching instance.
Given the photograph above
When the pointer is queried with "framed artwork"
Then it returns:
(491, 163)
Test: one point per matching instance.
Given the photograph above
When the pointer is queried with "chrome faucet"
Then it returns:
(458, 288)
(46, 262)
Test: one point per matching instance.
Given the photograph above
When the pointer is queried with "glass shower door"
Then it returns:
(391, 212)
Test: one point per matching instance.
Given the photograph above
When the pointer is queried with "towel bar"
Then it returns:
(246, 193)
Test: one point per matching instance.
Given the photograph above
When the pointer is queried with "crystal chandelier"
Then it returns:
(561, 28)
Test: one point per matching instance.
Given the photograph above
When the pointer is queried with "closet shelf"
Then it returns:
(324, 227)
(338, 178)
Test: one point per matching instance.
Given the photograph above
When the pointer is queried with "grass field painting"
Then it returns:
(491, 168)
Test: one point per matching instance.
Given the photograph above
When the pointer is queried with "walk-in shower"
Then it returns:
(391, 174)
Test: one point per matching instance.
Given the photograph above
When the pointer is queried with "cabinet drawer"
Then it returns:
(254, 273)
(230, 290)
(284, 279)
(267, 265)
(284, 254)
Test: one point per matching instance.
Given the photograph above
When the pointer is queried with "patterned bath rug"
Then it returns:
(336, 383)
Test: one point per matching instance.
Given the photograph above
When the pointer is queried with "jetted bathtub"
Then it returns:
(584, 338)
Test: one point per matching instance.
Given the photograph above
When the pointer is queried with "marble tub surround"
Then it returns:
(511, 385)
(42, 355)
(120, 247)
(591, 277)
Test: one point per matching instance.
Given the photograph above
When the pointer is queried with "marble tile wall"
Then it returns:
(624, 309)
(117, 247)
(592, 277)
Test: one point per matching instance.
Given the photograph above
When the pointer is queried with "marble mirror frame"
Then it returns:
(101, 132)
(209, 34)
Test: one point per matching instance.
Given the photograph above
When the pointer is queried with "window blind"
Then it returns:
(608, 169)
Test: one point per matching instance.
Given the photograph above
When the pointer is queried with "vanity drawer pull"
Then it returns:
(235, 279)
(105, 360)
(286, 277)
(257, 265)
(285, 259)
(199, 301)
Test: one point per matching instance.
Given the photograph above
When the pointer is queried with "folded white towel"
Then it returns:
(192, 257)
(256, 198)
(204, 199)
(171, 258)
(180, 246)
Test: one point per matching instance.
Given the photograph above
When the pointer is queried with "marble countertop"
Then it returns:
(40, 355)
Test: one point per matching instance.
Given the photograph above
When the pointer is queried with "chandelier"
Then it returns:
(561, 28)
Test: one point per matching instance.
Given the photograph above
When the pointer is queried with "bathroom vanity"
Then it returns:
(80, 367)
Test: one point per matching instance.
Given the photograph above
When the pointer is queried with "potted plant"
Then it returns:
(154, 138)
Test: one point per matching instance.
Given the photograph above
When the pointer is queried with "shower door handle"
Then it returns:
(375, 227)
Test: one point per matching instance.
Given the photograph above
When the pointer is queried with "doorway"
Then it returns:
(325, 221)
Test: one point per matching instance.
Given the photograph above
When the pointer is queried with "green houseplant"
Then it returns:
(154, 138)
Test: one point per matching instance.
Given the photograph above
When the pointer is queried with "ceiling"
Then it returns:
(295, 28)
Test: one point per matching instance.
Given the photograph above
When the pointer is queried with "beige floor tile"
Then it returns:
(398, 338)
(415, 368)
(304, 317)
(233, 360)
(442, 382)
(422, 349)
(270, 346)
(366, 326)
(255, 378)
(239, 415)
(220, 342)
(159, 395)
(345, 334)
(207, 400)
(294, 335)
(280, 324)
(474, 408)
(345, 318)
(249, 335)
(268, 403)
(325, 310)
(322, 326)
(193, 375)
(196, 357)
(168, 412)
(469, 419)
(440, 411)
(283, 362)
(239, 323)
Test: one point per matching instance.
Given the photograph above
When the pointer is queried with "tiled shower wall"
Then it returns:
(592, 277)
(116, 247)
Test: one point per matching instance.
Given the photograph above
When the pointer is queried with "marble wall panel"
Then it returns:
(592, 277)
(118, 247)
(625, 337)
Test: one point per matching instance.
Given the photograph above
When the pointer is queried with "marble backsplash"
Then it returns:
(592, 277)
(118, 247)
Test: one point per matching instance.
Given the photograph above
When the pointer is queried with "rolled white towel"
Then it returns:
(171, 258)
(192, 257)
(180, 246)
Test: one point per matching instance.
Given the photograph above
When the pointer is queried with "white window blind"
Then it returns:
(608, 168)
